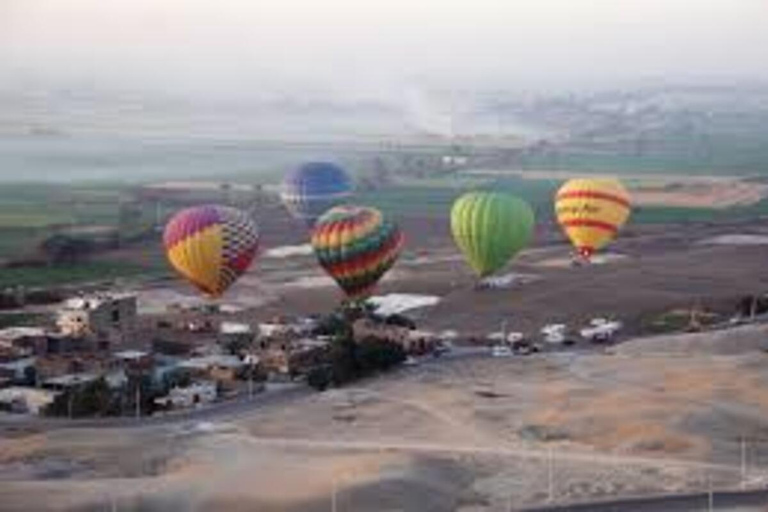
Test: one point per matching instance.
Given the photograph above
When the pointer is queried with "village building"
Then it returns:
(18, 342)
(56, 365)
(197, 393)
(286, 329)
(16, 371)
(413, 341)
(234, 335)
(294, 358)
(133, 360)
(69, 381)
(111, 319)
(219, 368)
(24, 400)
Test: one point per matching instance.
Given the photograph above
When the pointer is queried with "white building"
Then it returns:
(70, 381)
(207, 363)
(235, 328)
(130, 355)
(26, 400)
(11, 334)
(195, 394)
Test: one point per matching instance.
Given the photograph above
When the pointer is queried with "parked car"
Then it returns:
(501, 351)
(525, 347)
(411, 361)
(600, 330)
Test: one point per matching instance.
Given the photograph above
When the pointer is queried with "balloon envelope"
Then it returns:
(356, 245)
(490, 228)
(211, 246)
(591, 212)
(313, 188)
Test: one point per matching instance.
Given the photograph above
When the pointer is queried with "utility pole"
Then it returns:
(158, 213)
(710, 495)
(73, 390)
(138, 399)
(550, 475)
(250, 382)
(743, 463)
(503, 332)
(249, 360)
(333, 495)
(753, 308)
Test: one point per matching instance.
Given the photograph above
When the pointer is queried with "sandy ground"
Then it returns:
(736, 239)
(464, 435)
(645, 274)
(719, 195)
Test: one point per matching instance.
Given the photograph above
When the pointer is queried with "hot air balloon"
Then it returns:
(356, 245)
(313, 189)
(211, 246)
(490, 228)
(591, 212)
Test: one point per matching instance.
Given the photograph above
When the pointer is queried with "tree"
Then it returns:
(238, 343)
(344, 364)
(400, 321)
(91, 399)
(140, 387)
(375, 355)
(332, 325)
(64, 249)
(319, 378)
(349, 360)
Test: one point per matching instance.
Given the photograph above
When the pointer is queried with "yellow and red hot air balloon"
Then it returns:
(211, 246)
(356, 245)
(591, 212)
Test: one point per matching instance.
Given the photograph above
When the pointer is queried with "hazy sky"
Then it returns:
(373, 48)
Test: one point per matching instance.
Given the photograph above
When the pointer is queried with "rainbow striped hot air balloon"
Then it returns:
(356, 245)
(591, 212)
(211, 246)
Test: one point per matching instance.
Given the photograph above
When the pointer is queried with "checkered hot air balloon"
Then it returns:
(356, 245)
(313, 188)
(211, 246)
(591, 212)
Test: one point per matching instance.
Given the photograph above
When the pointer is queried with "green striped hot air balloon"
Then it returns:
(490, 228)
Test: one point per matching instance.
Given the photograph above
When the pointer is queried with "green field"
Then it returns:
(20, 320)
(736, 148)
(72, 274)
(31, 212)
(437, 201)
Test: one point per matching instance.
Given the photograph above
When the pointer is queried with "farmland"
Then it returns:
(90, 271)
(29, 213)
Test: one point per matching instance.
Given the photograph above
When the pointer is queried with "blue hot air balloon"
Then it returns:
(314, 188)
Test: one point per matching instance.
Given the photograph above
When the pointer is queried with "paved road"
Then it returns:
(223, 410)
(742, 501)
